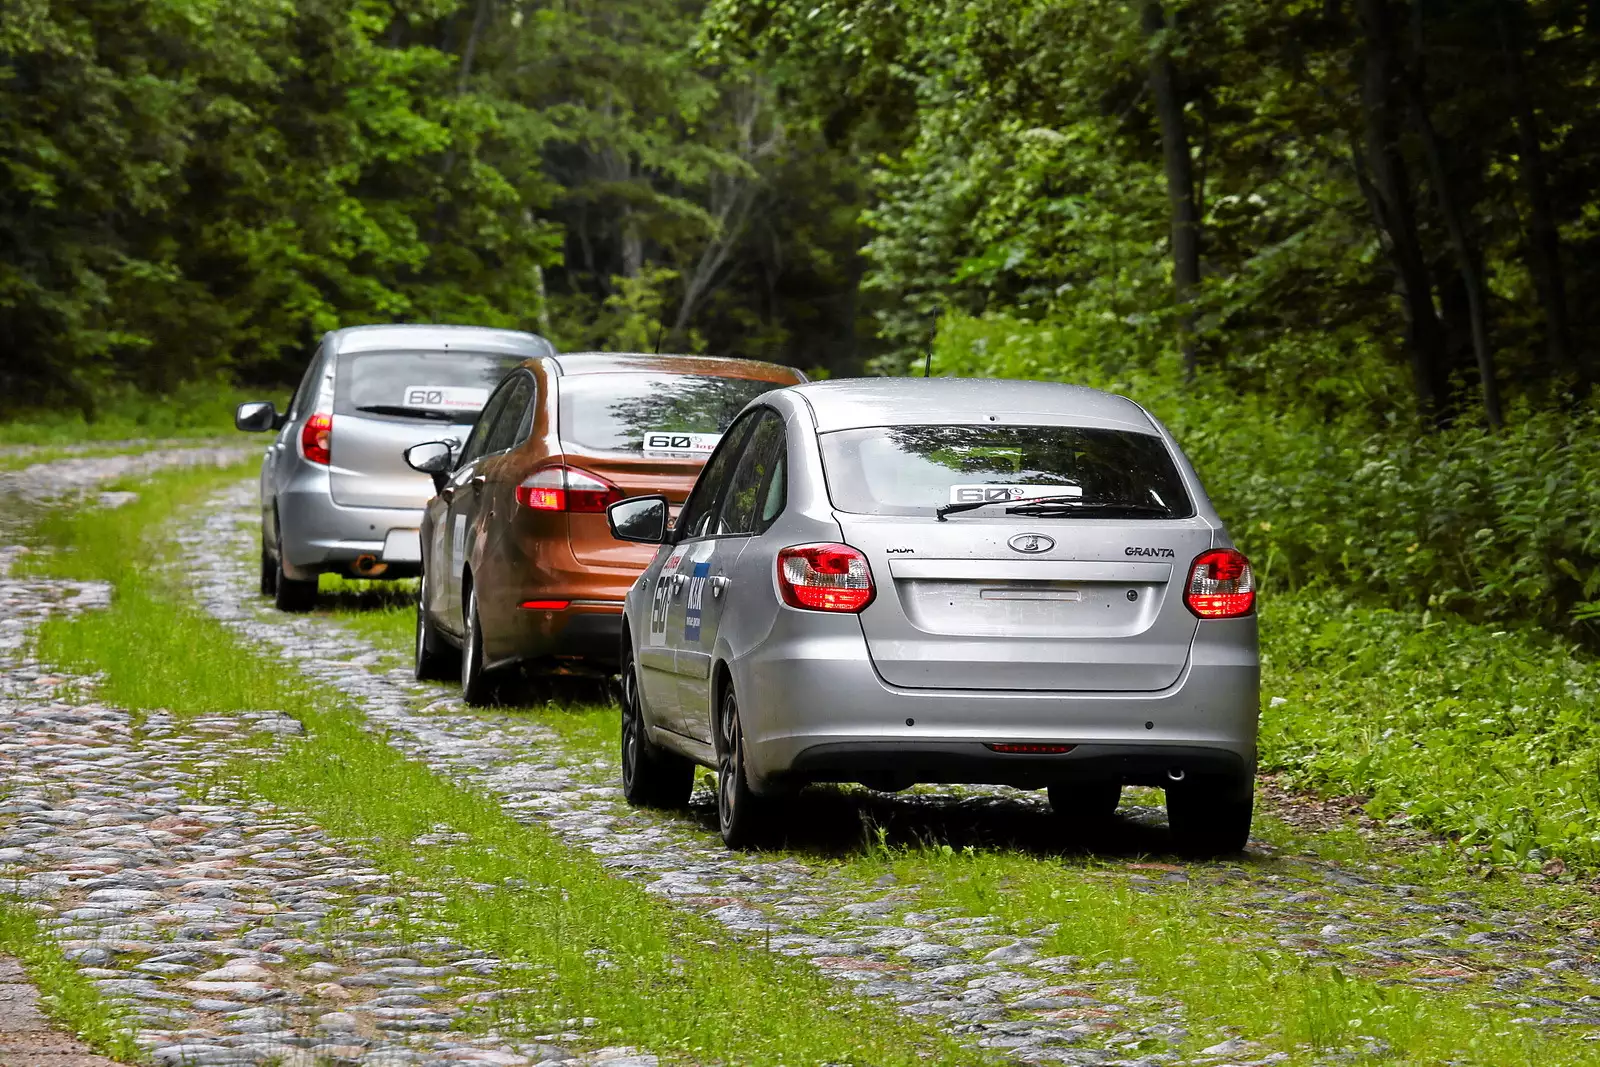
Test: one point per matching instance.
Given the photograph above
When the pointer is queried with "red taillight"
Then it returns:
(546, 605)
(566, 489)
(1221, 585)
(315, 438)
(1032, 750)
(824, 578)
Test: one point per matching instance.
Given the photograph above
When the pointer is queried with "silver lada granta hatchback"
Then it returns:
(894, 581)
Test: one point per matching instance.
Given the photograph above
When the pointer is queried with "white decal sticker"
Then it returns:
(458, 545)
(976, 494)
(661, 597)
(445, 397)
(673, 443)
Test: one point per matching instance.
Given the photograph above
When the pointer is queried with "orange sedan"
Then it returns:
(518, 564)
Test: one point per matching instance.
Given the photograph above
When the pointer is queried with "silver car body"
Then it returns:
(361, 512)
(985, 629)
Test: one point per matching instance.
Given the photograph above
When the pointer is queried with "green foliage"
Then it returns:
(123, 413)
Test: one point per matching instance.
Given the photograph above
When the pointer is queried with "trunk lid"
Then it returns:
(635, 475)
(1038, 603)
(368, 468)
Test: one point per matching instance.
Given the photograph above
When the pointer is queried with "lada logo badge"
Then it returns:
(1032, 542)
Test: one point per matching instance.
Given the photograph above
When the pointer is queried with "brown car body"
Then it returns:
(550, 585)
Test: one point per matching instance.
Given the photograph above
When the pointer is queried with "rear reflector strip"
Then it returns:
(1032, 750)
(546, 605)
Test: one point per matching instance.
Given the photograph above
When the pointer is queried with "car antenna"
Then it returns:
(927, 365)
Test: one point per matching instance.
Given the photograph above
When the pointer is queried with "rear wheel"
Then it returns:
(269, 570)
(1085, 801)
(651, 776)
(1210, 818)
(434, 661)
(744, 818)
(477, 688)
(291, 594)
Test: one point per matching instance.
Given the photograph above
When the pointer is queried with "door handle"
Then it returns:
(446, 492)
(477, 479)
(718, 584)
(677, 582)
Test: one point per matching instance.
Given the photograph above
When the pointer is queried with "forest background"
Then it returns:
(1342, 246)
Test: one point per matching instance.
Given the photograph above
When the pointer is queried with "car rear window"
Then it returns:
(670, 415)
(911, 470)
(441, 386)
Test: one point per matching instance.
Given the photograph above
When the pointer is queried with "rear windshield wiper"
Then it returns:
(1063, 507)
(956, 509)
(410, 413)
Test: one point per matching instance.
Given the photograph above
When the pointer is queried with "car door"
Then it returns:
(460, 495)
(709, 549)
(496, 502)
(277, 465)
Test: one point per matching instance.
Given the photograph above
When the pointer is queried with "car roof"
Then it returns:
(646, 362)
(849, 403)
(406, 336)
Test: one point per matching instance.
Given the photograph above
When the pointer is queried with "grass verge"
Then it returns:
(198, 409)
(594, 944)
(66, 996)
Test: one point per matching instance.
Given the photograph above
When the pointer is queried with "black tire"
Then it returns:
(269, 571)
(1210, 818)
(744, 818)
(291, 594)
(652, 777)
(1085, 801)
(435, 661)
(477, 688)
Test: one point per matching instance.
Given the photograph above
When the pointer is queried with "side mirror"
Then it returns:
(256, 417)
(640, 518)
(433, 458)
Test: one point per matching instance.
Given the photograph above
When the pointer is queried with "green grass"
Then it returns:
(198, 409)
(596, 945)
(65, 995)
(1487, 736)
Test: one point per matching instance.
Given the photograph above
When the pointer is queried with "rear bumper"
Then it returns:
(814, 709)
(586, 636)
(319, 535)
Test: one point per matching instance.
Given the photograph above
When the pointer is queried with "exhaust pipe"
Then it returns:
(1176, 774)
(368, 566)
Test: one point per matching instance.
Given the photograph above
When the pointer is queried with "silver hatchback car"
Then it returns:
(899, 581)
(336, 492)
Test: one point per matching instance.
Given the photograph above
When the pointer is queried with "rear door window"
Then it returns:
(508, 421)
(911, 470)
(700, 511)
(742, 511)
(667, 415)
(437, 386)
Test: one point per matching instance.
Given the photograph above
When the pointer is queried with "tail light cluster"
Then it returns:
(316, 438)
(824, 577)
(1221, 585)
(563, 488)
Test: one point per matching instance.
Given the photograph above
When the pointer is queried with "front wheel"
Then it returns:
(434, 663)
(652, 777)
(1210, 818)
(743, 817)
(1085, 801)
(476, 687)
(269, 571)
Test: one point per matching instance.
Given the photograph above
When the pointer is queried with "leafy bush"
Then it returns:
(1493, 527)
(199, 409)
(1487, 736)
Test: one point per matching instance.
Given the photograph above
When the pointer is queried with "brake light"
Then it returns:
(1221, 585)
(825, 577)
(566, 489)
(316, 438)
(1031, 750)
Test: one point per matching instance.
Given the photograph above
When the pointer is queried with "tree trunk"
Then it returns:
(469, 52)
(1468, 262)
(1179, 163)
(1389, 194)
(1543, 239)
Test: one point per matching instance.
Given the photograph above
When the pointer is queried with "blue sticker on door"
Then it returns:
(697, 588)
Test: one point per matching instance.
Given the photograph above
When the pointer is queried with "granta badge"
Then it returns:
(1159, 553)
(1032, 542)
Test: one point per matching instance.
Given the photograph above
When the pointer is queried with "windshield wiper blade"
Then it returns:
(1062, 507)
(401, 409)
(955, 509)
